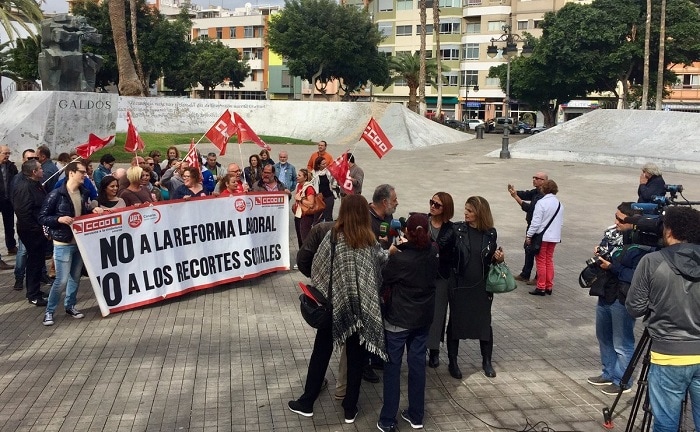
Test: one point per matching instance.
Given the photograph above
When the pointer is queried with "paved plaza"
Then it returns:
(229, 358)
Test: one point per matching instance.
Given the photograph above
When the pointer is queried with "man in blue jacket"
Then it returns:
(60, 208)
(614, 326)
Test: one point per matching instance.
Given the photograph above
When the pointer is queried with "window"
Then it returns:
(428, 54)
(493, 82)
(400, 53)
(469, 78)
(690, 81)
(219, 33)
(404, 30)
(449, 53)
(400, 82)
(472, 2)
(537, 24)
(386, 5)
(286, 79)
(385, 28)
(404, 4)
(449, 27)
(251, 54)
(232, 32)
(473, 28)
(259, 31)
(248, 32)
(496, 25)
(450, 3)
(385, 51)
(450, 79)
(471, 51)
(522, 25)
(428, 29)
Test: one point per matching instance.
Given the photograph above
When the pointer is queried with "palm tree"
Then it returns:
(662, 48)
(436, 33)
(129, 83)
(407, 67)
(421, 74)
(18, 13)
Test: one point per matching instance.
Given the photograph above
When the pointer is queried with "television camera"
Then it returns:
(648, 227)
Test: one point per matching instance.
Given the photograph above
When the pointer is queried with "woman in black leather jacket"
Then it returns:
(442, 233)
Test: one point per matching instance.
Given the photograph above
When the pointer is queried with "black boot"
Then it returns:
(434, 358)
(486, 350)
(19, 284)
(452, 350)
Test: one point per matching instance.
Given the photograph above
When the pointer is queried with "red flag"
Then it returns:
(192, 155)
(375, 137)
(94, 143)
(245, 133)
(221, 132)
(340, 170)
(133, 140)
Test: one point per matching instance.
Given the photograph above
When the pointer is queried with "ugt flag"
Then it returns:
(133, 140)
(375, 137)
(222, 131)
(94, 143)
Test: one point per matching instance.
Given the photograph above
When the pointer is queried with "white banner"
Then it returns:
(144, 255)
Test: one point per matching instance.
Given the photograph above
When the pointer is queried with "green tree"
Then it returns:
(323, 40)
(24, 62)
(213, 63)
(24, 14)
(407, 67)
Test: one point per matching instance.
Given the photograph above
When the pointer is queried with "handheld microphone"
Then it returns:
(383, 229)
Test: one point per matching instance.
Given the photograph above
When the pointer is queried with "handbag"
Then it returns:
(536, 239)
(318, 207)
(500, 279)
(316, 310)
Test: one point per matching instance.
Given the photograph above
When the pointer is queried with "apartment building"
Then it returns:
(466, 30)
(244, 29)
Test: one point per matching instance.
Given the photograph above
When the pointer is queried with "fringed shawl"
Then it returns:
(355, 297)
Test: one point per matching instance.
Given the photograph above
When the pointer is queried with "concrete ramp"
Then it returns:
(620, 137)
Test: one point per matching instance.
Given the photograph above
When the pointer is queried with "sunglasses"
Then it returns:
(620, 220)
(435, 204)
(33, 158)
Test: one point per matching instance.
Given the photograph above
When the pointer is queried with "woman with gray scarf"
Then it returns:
(353, 275)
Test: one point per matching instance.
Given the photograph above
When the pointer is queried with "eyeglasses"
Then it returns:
(82, 172)
(33, 158)
(435, 204)
(537, 178)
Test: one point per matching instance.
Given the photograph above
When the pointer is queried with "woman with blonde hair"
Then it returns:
(348, 263)
(135, 193)
(547, 219)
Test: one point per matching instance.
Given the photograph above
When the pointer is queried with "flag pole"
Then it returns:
(63, 168)
(240, 152)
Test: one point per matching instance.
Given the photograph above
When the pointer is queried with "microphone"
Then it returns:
(383, 229)
(395, 231)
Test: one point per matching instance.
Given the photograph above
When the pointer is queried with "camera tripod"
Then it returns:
(641, 397)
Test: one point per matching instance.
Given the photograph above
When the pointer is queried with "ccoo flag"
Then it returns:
(133, 140)
(94, 143)
(340, 170)
(375, 137)
(191, 156)
(222, 131)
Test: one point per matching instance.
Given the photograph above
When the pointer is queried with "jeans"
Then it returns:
(545, 266)
(20, 260)
(415, 342)
(614, 328)
(667, 388)
(529, 263)
(69, 265)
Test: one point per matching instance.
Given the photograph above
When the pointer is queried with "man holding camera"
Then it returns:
(666, 287)
(614, 325)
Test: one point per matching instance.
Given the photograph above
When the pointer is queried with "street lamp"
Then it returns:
(510, 50)
(475, 88)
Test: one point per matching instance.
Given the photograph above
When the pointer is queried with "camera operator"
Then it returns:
(614, 325)
(666, 287)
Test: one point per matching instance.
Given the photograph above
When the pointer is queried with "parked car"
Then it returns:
(538, 129)
(456, 124)
(498, 124)
(473, 123)
(523, 127)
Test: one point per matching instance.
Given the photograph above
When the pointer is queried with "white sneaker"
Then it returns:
(295, 267)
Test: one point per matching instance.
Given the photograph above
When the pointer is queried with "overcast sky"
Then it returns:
(62, 6)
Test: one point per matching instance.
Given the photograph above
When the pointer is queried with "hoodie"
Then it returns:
(666, 287)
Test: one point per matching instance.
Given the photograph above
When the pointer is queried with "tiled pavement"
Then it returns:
(229, 358)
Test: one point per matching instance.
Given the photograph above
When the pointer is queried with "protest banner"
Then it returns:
(143, 255)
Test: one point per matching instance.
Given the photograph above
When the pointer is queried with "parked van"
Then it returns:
(498, 124)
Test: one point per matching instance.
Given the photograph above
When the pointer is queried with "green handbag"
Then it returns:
(500, 279)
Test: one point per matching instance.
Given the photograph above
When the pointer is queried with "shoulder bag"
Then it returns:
(318, 206)
(500, 279)
(536, 239)
(316, 310)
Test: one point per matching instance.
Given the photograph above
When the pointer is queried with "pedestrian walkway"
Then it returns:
(229, 358)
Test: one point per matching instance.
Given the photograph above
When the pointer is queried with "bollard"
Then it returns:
(479, 132)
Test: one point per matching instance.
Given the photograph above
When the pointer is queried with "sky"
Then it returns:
(61, 6)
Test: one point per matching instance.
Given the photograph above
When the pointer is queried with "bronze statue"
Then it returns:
(62, 64)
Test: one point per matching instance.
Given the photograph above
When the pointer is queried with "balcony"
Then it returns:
(474, 3)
